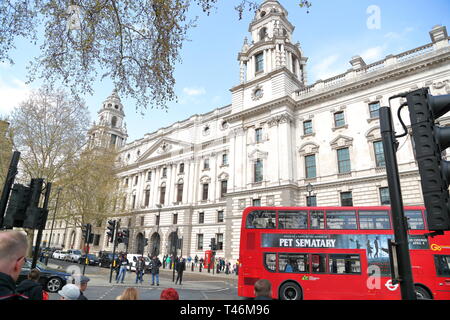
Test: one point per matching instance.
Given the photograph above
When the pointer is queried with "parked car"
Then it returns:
(73, 255)
(106, 258)
(132, 258)
(51, 280)
(59, 254)
(93, 260)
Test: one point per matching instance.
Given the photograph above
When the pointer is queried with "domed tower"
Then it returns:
(271, 65)
(110, 130)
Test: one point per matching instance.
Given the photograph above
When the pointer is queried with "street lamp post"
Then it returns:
(53, 221)
(309, 189)
(158, 215)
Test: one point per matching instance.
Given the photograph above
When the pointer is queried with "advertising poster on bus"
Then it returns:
(376, 246)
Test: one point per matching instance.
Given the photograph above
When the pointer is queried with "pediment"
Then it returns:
(341, 141)
(165, 146)
(258, 154)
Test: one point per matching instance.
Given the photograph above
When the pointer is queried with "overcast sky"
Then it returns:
(330, 35)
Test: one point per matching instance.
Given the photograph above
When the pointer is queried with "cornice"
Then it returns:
(263, 108)
(382, 75)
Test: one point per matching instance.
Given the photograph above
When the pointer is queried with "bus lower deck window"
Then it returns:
(344, 264)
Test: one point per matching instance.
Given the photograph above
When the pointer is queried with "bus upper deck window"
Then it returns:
(317, 220)
(341, 220)
(415, 219)
(292, 219)
(261, 219)
(374, 219)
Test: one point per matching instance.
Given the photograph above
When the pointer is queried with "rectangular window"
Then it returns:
(339, 119)
(292, 219)
(136, 179)
(201, 217)
(126, 182)
(384, 197)
(206, 164)
(379, 154)
(346, 199)
(134, 201)
(180, 192)
(223, 188)
(270, 261)
(181, 168)
(96, 239)
(374, 109)
(175, 218)
(415, 219)
(259, 62)
(200, 241)
(162, 195)
(442, 264)
(343, 160)
(341, 220)
(113, 140)
(225, 159)
(317, 220)
(149, 176)
(310, 166)
(256, 202)
(157, 220)
(258, 135)
(311, 201)
(318, 263)
(142, 221)
(293, 263)
(164, 172)
(261, 219)
(205, 187)
(220, 216)
(374, 220)
(344, 264)
(307, 127)
(258, 168)
(219, 241)
(147, 198)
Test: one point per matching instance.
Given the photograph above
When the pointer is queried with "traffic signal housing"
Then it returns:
(86, 232)
(430, 140)
(17, 206)
(111, 229)
(125, 235)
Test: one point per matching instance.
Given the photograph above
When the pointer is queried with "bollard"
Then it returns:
(192, 267)
(200, 268)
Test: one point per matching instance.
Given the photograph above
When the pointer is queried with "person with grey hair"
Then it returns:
(13, 249)
(263, 290)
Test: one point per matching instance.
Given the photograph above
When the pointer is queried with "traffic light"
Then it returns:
(430, 141)
(111, 229)
(86, 232)
(35, 217)
(17, 206)
(125, 235)
(119, 237)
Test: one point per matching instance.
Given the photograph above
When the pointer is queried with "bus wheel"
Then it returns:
(422, 293)
(290, 291)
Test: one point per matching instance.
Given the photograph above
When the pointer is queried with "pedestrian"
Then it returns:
(169, 294)
(263, 290)
(155, 264)
(168, 261)
(227, 268)
(13, 248)
(123, 262)
(164, 261)
(129, 294)
(69, 292)
(83, 286)
(31, 287)
(140, 268)
(179, 267)
(196, 260)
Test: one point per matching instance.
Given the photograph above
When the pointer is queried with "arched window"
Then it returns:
(262, 33)
(114, 121)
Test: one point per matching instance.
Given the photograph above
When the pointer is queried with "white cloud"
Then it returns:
(12, 93)
(373, 54)
(326, 68)
(194, 91)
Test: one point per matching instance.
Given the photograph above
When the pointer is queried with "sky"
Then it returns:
(330, 35)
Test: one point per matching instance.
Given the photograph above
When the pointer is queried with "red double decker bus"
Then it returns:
(337, 253)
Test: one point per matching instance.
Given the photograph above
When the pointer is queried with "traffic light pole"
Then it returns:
(86, 247)
(37, 245)
(12, 171)
(405, 277)
(114, 250)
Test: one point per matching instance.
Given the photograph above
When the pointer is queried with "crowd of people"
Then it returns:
(13, 249)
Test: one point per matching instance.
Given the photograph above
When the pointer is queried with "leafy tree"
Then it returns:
(136, 43)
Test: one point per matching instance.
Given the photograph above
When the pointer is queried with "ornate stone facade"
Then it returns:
(267, 145)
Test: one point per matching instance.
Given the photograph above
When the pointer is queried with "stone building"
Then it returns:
(278, 136)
